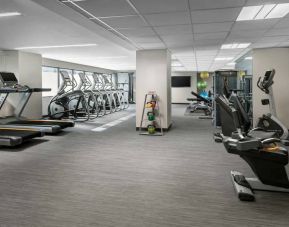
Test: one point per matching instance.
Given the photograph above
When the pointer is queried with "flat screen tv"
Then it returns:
(181, 81)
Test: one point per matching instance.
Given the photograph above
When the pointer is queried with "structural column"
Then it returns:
(153, 74)
(28, 69)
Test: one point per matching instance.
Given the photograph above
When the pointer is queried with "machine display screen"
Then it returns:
(181, 81)
(8, 77)
(267, 75)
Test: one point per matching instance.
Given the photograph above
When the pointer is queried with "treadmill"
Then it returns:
(12, 137)
(10, 85)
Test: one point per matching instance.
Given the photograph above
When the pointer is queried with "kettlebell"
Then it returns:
(151, 129)
(151, 116)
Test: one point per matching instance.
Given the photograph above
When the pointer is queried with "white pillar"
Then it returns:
(28, 69)
(153, 73)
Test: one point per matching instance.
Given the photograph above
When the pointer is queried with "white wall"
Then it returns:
(266, 59)
(180, 94)
(153, 74)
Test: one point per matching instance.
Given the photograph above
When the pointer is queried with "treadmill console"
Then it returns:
(8, 79)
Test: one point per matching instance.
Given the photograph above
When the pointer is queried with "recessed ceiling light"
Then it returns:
(280, 10)
(248, 12)
(223, 59)
(248, 58)
(232, 63)
(266, 9)
(235, 46)
(56, 46)
(10, 14)
(262, 12)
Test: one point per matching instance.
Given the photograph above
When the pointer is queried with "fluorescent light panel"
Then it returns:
(223, 59)
(235, 46)
(10, 14)
(262, 12)
(248, 58)
(266, 9)
(248, 13)
(279, 11)
(56, 46)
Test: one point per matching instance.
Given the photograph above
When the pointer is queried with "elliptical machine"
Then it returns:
(270, 122)
(69, 102)
(91, 99)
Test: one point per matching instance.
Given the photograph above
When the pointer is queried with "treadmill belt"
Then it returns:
(24, 134)
(62, 124)
(13, 137)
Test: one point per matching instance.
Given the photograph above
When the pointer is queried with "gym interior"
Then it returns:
(144, 113)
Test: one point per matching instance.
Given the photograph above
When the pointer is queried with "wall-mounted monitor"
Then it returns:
(181, 81)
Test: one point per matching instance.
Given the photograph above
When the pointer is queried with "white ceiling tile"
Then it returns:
(283, 23)
(160, 6)
(254, 25)
(206, 52)
(207, 43)
(212, 27)
(179, 38)
(152, 45)
(206, 58)
(215, 35)
(264, 45)
(215, 4)
(235, 39)
(278, 32)
(230, 52)
(137, 32)
(145, 39)
(183, 51)
(179, 45)
(238, 34)
(207, 48)
(163, 19)
(125, 22)
(174, 29)
(215, 15)
(106, 8)
(273, 39)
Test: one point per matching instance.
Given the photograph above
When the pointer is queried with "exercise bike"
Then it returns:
(270, 122)
(266, 157)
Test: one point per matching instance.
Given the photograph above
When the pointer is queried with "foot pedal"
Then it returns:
(218, 139)
(242, 187)
(241, 180)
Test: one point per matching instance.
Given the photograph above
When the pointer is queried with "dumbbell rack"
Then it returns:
(156, 110)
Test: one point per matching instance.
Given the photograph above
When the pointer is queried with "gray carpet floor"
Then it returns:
(118, 178)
